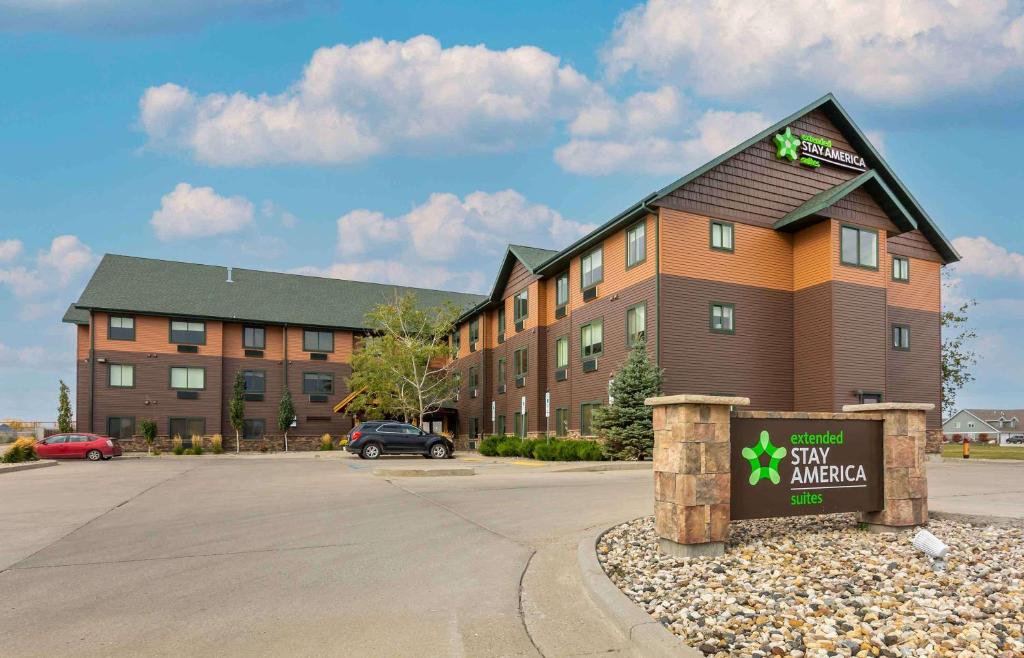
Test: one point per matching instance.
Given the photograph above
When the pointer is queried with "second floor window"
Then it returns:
(317, 383)
(592, 268)
(521, 306)
(900, 337)
(122, 376)
(636, 244)
(562, 352)
(721, 236)
(900, 268)
(255, 381)
(501, 370)
(858, 246)
(188, 332)
(501, 324)
(474, 333)
(121, 328)
(472, 377)
(592, 339)
(519, 362)
(254, 338)
(189, 379)
(562, 289)
(722, 318)
(317, 340)
(457, 341)
(636, 324)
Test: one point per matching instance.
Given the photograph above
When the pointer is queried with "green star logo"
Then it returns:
(753, 455)
(787, 143)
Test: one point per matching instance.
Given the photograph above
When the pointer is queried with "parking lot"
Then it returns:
(301, 556)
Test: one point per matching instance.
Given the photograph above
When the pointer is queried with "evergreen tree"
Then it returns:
(64, 409)
(285, 414)
(236, 409)
(626, 423)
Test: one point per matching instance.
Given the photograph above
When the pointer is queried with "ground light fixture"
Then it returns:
(931, 546)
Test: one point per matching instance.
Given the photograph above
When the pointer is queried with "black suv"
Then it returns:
(373, 439)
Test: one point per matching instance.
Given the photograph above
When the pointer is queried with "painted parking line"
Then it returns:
(532, 464)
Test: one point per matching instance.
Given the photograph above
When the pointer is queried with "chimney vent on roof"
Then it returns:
(230, 280)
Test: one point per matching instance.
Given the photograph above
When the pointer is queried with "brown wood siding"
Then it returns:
(924, 289)
(812, 256)
(860, 338)
(915, 375)
(761, 257)
(859, 207)
(757, 188)
(83, 422)
(813, 378)
(915, 245)
(756, 361)
(468, 406)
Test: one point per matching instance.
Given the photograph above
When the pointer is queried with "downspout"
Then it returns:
(657, 279)
(92, 371)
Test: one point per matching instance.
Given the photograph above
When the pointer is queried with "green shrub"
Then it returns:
(489, 446)
(567, 450)
(22, 450)
(326, 443)
(509, 448)
(590, 451)
(528, 446)
(546, 451)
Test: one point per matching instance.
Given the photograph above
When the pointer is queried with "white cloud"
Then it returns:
(879, 50)
(39, 358)
(9, 250)
(353, 102)
(192, 212)
(119, 17)
(359, 230)
(980, 256)
(54, 268)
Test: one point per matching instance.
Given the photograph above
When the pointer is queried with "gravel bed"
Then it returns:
(819, 586)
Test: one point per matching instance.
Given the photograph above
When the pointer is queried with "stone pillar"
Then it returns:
(691, 472)
(903, 451)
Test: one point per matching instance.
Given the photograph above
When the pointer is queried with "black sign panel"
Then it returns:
(792, 467)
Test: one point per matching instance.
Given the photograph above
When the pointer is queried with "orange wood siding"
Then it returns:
(152, 334)
(924, 290)
(83, 341)
(342, 347)
(274, 349)
(812, 255)
(762, 257)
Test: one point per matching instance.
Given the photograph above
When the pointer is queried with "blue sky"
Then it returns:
(349, 140)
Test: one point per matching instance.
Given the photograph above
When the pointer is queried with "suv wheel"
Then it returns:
(370, 451)
(438, 451)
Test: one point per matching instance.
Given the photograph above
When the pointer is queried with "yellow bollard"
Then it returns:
(967, 449)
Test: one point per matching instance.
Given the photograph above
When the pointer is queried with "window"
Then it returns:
(122, 376)
(900, 268)
(562, 352)
(520, 306)
(869, 397)
(121, 327)
(457, 341)
(592, 339)
(636, 244)
(501, 324)
(187, 427)
(970, 425)
(520, 425)
(316, 340)
(592, 270)
(956, 425)
(519, 362)
(561, 422)
(587, 418)
(472, 377)
(859, 247)
(722, 236)
(191, 379)
(500, 428)
(188, 332)
(317, 383)
(121, 427)
(562, 289)
(501, 370)
(900, 337)
(255, 381)
(636, 324)
(254, 338)
(474, 333)
(474, 428)
(722, 318)
(254, 429)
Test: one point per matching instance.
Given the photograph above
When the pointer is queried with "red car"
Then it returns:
(78, 445)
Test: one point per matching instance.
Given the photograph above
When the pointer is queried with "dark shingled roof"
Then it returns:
(875, 186)
(162, 287)
(531, 257)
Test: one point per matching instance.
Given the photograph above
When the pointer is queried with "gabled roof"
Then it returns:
(75, 315)
(996, 414)
(161, 287)
(870, 181)
(531, 257)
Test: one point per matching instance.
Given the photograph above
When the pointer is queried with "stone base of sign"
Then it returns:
(691, 472)
(706, 549)
(906, 478)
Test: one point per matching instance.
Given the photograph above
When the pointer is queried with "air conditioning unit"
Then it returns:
(561, 374)
(590, 293)
(472, 393)
(188, 395)
(590, 365)
(188, 349)
(519, 325)
(254, 353)
(559, 312)
(501, 389)
(520, 382)
(317, 356)
(318, 398)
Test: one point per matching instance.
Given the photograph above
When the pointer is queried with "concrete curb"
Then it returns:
(27, 466)
(978, 519)
(606, 466)
(421, 472)
(646, 636)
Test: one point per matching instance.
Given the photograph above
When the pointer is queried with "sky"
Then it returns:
(355, 140)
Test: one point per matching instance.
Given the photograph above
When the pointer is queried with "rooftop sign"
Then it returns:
(811, 151)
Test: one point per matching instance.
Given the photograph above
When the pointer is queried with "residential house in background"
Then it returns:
(984, 425)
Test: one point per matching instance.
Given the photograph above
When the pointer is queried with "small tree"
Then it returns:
(236, 410)
(64, 409)
(957, 355)
(626, 423)
(285, 415)
(148, 429)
